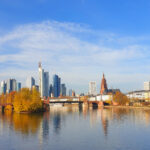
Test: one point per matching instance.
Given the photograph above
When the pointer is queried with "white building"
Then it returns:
(147, 85)
(101, 98)
(136, 95)
(30, 82)
(43, 82)
(92, 88)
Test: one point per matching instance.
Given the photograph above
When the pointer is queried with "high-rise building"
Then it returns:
(43, 82)
(30, 82)
(104, 88)
(11, 85)
(3, 87)
(14, 85)
(147, 85)
(51, 90)
(70, 92)
(18, 86)
(46, 84)
(92, 88)
(56, 85)
(63, 89)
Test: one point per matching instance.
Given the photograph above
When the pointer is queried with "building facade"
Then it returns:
(63, 89)
(30, 82)
(43, 82)
(92, 88)
(18, 86)
(147, 85)
(56, 85)
(3, 87)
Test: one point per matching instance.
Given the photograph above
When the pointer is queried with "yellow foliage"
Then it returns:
(120, 98)
(27, 101)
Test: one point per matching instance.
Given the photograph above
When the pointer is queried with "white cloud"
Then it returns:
(78, 53)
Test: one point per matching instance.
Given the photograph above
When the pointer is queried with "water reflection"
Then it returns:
(60, 118)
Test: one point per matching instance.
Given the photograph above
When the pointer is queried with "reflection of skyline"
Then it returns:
(57, 123)
(40, 123)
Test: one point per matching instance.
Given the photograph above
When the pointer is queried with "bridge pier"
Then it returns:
(100, 104)
(85, 104)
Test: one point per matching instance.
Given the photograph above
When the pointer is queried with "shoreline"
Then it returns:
(129, 107)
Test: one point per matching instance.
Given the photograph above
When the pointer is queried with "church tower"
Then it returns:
(104, 88)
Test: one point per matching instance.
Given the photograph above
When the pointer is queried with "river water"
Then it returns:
(74, 128)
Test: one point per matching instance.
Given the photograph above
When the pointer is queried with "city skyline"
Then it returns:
(76, 42)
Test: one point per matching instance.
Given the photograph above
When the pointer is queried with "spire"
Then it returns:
(40, 65)
(103, 75)
(103, 85)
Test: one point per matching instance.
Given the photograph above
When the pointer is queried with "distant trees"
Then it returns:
(120, 98)
(25, 100)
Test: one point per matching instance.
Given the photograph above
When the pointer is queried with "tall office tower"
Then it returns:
(63, 89)
(43, 82)
(18, 86)
(9, 86)
(46, 84)
(51, 90)
(92, 88)
(147, 85)
(14, 85)
(30, 82)
(70, 92)
(3, 87)
(56, 85)
(104, 88)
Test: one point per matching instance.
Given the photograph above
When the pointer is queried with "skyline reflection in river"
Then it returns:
(74, 127)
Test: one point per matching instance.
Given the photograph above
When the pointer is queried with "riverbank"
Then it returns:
(131, 107)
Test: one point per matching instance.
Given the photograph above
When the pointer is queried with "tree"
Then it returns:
(120, 98)
(27, 101)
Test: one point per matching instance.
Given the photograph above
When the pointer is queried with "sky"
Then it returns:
(78, 40)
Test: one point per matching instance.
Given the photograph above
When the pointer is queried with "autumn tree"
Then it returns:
(120, 98)
(27, 101)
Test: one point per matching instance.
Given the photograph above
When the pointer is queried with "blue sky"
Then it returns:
(77, 39)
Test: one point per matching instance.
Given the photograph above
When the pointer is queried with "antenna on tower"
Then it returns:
(40, 64)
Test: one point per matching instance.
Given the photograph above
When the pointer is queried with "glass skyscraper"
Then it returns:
(18, 86)
(63, 89)
(56, 85)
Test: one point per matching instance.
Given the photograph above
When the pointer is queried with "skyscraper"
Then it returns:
(14, 85)
(51, 90)
(63, 89)
(46, 84)
(3, 87)
(92, 88)
(56, 85)
(70, 92)
(11, 85)
(18, 86)
(43, 82)
(30, 82)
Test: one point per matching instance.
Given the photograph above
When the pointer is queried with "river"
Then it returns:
(76, 128)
